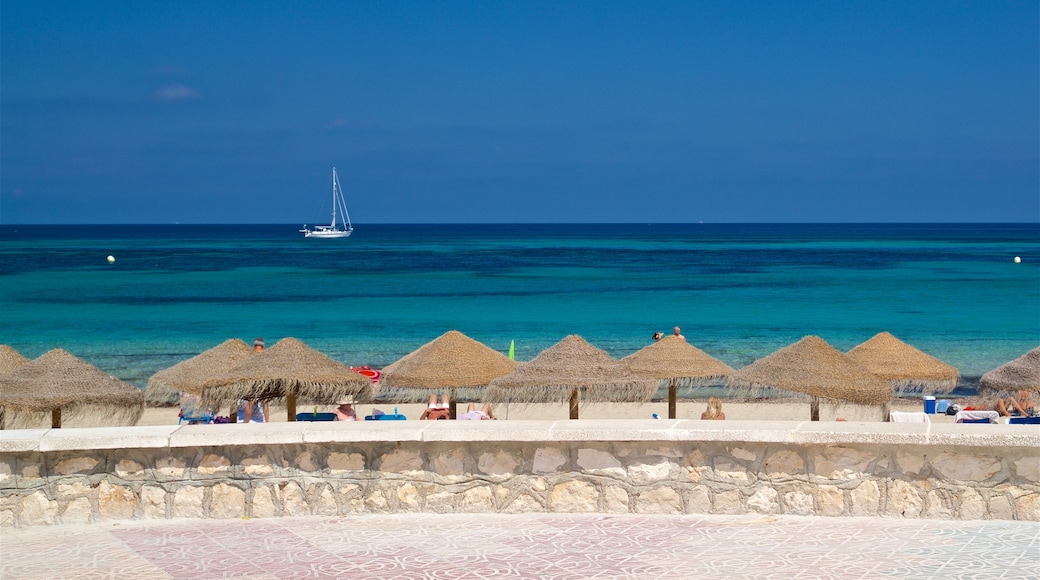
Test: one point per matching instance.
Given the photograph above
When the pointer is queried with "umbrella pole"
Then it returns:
(452, 411)
(814, 409)
(290, 404)
(672, 395)
(56, 418)
(574, 403)
(233, 412)
(886, 411)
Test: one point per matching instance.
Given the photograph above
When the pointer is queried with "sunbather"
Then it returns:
(472, 414)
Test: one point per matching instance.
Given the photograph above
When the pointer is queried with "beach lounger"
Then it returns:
(385, 417)
(1023, 420)
(976, 417)
(909, 417)
(195, 419)
(315, 416)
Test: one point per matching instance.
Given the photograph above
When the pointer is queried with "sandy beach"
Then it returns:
(686, 409)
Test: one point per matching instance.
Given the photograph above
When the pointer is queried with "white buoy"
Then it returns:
(111, 259)
(1018, 260)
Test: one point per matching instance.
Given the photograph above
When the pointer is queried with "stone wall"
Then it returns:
(671, 467)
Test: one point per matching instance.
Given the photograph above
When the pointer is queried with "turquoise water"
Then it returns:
(739, 292)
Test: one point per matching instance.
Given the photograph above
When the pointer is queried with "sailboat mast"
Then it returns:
(334, 182)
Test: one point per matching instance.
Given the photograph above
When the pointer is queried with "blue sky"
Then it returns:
(235, 112)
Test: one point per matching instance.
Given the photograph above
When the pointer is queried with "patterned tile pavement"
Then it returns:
(544, 546)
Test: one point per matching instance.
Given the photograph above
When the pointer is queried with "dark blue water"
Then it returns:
(739, 292)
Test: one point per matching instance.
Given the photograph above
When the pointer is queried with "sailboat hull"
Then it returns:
(328, 234)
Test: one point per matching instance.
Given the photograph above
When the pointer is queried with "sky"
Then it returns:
(524, 112)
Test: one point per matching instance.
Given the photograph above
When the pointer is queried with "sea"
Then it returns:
(738, 291)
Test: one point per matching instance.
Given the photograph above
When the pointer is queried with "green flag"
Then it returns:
(512, 351)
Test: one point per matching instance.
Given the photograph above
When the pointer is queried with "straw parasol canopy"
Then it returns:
(813, 368)
(570, 369)
(451, 361)
(10, 360)
(289, 369)
(59, 383)
(1021, 374)
(905, 367)
(674, 363)
(189, 375)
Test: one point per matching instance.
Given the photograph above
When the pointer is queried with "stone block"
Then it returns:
(257, 466)
(1028, 468)
(842, 463)
(407, 497)
(451, 463)
(964, 467)
(1000, 507)
(697, 467)
(441, 502)
(36, 509)
(153, 502)
(350, 498)
(213, 463)
(741, 454)
(170, 467)
(263, 504)
(115, 502)
(67, 491)
(830, 500)
(227, 501)
(499, 463)
(574, 497)
(765, 500)
(401, 461)
(324, 501)
(910, 463)
(615, 499)
(648, 473)
(305, 462)
(728, 502)
(798, 503)
(548, 460)
(188, 502)
(345, 462)
(31, 471)
(904, 500)
(293, 500)
(664, 451)
(730, 471)
(524, 504)
(865, 499)
(5, 471)
(699, 500)
(940, 507)
(972, 505)
(128, 468)
(1028, 507)
(75, 465)
(77, 511)
(376, 502)
(477, 500)
(783, 464)
(600, 462)
(662, 500)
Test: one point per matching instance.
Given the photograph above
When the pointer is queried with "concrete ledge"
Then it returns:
(811, 433)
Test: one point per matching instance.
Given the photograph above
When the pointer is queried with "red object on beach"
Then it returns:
(368, 372)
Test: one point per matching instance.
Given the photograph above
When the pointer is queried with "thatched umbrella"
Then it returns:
(814, 368)
(10, 359)
(905, 367)
(289, 369)
(567, 370)
(58, 381)
(189, 375)
(452, 361)
(1021, 374)
(677, 363)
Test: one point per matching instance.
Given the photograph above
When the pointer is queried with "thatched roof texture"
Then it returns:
(1021, 374)
(905, 367)
(59, 380)
(814, 368)
(290, 367)
(552, 376)
(189, 375)
(10, 359)
(672, 358)
(450, 361)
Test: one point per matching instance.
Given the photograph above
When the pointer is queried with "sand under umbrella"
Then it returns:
(675, 363)
(1021, 374)
(452, 362)
(189, 375)
(292, 370)
(10, 360)
(813, 368)
(58, 383)
(904, 366)
(571, 370)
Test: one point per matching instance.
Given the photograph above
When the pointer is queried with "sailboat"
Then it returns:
(339, 206)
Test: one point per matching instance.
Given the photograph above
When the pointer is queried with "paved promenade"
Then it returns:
(527, 546)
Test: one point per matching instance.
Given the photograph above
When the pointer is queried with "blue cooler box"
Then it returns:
(929, 405)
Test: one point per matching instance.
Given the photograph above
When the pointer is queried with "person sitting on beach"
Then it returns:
(658, 336)
(258, 344)
(345, 411)
(472, 414)
(677, 333)
(435, 411)
(1023, 405)
(714, 410)
(252, 411)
